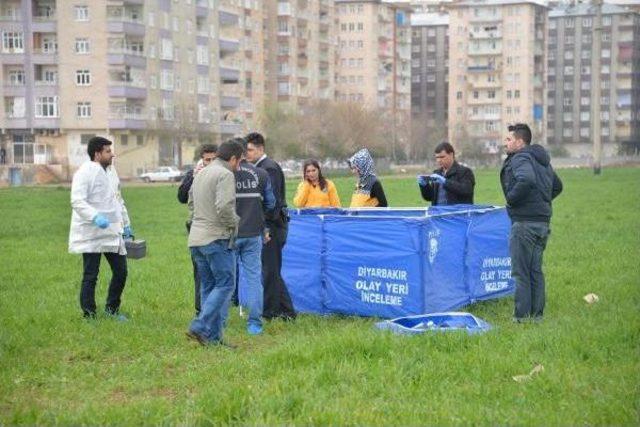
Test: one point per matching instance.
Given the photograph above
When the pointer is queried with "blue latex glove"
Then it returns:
(438, 178)
(422, 180)
(101, 221)
(127, 232)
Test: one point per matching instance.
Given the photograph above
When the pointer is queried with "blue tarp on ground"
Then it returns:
(396, 262)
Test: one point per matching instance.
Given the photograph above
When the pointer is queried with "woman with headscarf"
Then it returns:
(368, 192)
(315, 191)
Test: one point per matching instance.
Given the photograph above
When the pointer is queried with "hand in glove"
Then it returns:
(101, 221)
(127, 232)
(422, 180)
(438, 178)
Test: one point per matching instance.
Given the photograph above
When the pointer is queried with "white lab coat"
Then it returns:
(95, 191)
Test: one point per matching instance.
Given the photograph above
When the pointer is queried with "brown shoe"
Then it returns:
(196, 337)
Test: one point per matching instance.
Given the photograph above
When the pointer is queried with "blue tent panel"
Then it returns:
(488, 262)
(301, 263)
(445, 240)
(372, 266)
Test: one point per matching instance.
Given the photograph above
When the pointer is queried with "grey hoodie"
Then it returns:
(529, 184)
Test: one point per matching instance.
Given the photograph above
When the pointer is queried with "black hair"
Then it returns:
(255, 138)
(314, 163)
(208, 148)
(96, 144)
(521, 131)
(230, 148)
(446, 147)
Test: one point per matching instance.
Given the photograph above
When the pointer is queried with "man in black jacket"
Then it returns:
(207, 154)
(529, 185)
(451, 184)
(277, 302)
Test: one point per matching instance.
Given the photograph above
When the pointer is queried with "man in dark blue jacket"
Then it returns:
(254, 202)
(529, 185)
(450, 184)
(277, 301)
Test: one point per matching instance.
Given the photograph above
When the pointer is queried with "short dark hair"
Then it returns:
(96, 144)
(521, 131)
(444, 146)
(208, 148)
(230, 148)
(255, 138)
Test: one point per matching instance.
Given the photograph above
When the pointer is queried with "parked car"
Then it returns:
(164, 173)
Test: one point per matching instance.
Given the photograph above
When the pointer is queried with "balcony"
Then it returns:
(13, 89)
(486, 16)
(485, 51)
(45, 23)
(127, 117)
(125, 24)
(229, 45)
(123, 56)
(492, 33)
(45, 56)
(46, 123)
(202, 8)
(227, 17)
(123, 89)
(229, 73)
(228, 102)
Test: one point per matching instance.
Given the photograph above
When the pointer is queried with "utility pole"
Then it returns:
(596, 89)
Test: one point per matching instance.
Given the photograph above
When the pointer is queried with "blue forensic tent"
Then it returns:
(396, 262)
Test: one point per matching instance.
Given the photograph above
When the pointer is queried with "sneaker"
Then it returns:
(119, 317)
(196, 337)
(254, 329)
(224, 344)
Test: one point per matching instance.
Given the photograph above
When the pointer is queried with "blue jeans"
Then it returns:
(216, 267)
(250, 293)
(527, 242)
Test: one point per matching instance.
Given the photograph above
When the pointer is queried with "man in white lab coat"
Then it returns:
(99, 224)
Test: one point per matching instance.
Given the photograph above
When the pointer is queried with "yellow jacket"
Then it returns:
(310, 196)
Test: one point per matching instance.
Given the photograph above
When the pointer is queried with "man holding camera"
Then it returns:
(450, 184)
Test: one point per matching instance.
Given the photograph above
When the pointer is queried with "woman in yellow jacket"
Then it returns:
(368, 191)
(315, 191)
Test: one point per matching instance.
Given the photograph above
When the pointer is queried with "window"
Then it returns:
(604, 116)
(166, 49)
(82, 46)
(568, 102)
(431, 77)
(567, 117)
(360, 27)
(153, 81)
(568, 54)
(508, 94)
(567, 132)
(585, 101)
(49, 44)
(83, 110)
(606, 37)
(202, 55)
(203, 84)
(585, 70)
(475, 94)
(22, 149)
(585, 85)
(431, 63)
(458, 95)
(151, 19)
(585, 54)
(139, 140)
(13, 42)
(516, 94)
(491, 94)
(584, 116)
(586, 38)
(82, 13)
(166, 80)
(16, 78)
(166, 112)
(606, 53)
(415, 63)
(584, 132)
(604, 100)
(586, 22)
(47, 106)
(606, 20)
(124, 139)
(569, 39)
(569, 22)
(83, 77)
(568, 70)
(176, 26)
(567, 85)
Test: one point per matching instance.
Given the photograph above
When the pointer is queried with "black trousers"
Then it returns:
(277, 302)
(196, 277)
(91, 266)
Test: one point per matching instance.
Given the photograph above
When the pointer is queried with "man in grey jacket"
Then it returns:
(213, 230)
(529, 185)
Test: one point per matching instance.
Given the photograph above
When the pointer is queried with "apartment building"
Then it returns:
(374, 56)
(430, 71)
(497, 69)
(299, 51)
(570, 78)
(157, 77)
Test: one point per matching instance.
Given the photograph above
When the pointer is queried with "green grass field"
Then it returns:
(57, 369)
